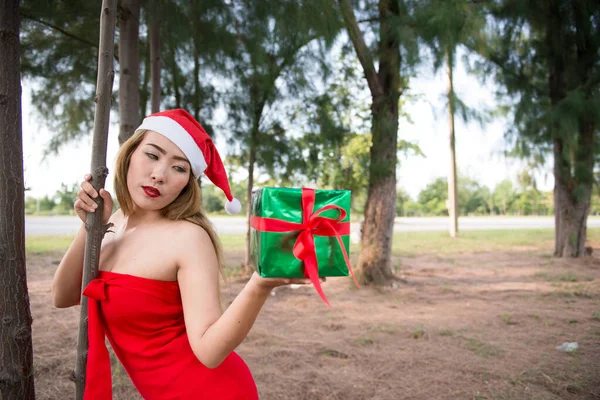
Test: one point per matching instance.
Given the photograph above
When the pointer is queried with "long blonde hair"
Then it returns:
(187, 206)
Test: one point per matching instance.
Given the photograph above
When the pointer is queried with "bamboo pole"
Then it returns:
(95, 229)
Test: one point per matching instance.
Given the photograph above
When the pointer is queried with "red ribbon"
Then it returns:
(312, 224)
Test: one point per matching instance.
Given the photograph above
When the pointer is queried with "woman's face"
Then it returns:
(158, 172)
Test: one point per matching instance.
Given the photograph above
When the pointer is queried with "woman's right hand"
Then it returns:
(85, 204)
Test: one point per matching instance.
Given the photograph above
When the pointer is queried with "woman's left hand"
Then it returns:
(267, 284)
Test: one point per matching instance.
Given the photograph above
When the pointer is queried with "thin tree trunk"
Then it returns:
(155, 65)
(172, 63)
(197, 95)
(251, 162)
(16, 350)
(452, 193)
(129, 77)
(94, 227)
(196, 98)
(145, 82)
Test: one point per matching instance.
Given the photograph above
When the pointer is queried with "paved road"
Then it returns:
(232, 225)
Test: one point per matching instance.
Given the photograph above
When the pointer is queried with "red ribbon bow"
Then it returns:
(98, 380)
(312, 224)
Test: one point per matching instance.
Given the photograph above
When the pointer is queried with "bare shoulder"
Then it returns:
(187, 232)
(192, 241)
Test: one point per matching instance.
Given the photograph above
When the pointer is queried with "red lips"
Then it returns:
(151, 191)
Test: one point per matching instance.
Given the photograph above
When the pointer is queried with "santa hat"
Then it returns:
(182, 129)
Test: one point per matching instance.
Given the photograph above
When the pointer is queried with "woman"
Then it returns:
(157, 296)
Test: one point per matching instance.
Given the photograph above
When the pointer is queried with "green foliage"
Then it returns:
(546, 56)
(503, 196)
(402, 199)
(434, 196)
(212, 199)
(65, 197)
(277, 43)
(59, 42)
(476, 199)
(30, 205)
(444, 25)
(47, 204)
(61, 203)
(413, 209)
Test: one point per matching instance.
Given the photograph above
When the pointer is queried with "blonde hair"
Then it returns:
(187, 206)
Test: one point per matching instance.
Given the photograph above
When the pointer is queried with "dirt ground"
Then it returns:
(467, 326)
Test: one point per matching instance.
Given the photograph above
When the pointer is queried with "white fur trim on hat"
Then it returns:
(233, 207)
(182, 139)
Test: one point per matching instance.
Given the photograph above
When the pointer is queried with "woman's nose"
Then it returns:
(158, 174)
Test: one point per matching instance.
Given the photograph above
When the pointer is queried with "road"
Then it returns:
(237, 225)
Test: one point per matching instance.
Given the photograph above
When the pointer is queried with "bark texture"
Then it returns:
(16, 351)
(129, 68)
(94, 227)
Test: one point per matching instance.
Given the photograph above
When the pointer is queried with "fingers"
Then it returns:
(86, 195)
(88, 188)
(85, 201)
(105, 195)
(80, 205)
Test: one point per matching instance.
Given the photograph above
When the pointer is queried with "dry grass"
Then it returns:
(464, 326)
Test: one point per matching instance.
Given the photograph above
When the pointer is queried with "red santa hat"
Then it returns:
(182, 129)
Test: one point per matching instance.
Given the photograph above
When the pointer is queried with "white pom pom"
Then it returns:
(233, 207)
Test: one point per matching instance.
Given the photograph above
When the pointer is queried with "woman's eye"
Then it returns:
(179, 169)
(152, 156)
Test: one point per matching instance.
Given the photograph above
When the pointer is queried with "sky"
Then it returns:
(479, 151)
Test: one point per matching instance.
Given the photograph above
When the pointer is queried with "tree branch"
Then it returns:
(374, 19)
(25, 15)
(492, 58)
(362, 51)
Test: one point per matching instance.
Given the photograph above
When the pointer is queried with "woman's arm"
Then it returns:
(66, 285)
(214, 335)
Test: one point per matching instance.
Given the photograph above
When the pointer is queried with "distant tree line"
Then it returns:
(475, 199)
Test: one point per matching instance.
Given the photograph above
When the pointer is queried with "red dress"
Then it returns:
(143, 320)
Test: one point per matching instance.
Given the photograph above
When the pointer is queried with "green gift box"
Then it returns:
(287, 220)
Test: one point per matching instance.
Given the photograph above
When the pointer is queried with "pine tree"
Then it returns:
(547, 57)
(444, 25)
(395, 46)
(273, 39)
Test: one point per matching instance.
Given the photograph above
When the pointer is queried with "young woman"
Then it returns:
(157, 296)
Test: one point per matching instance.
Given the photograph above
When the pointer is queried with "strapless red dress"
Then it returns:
(143, 321)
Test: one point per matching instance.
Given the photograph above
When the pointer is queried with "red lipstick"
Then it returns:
(151, 191)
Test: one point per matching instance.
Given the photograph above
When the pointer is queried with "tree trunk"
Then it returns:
(172, 63)
(572, 197)
(145, 81)
(155, 65)
(197, 95)
(374, 262)
(16, 350)
(452, 193)
(129, 67)
(573, 167)
(251, 161)
(94, 227)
